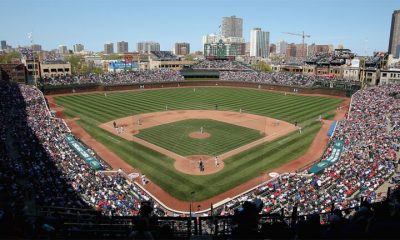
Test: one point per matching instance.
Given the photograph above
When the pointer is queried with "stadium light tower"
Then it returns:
(303, 35)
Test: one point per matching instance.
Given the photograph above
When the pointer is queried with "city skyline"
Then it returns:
(93, 24)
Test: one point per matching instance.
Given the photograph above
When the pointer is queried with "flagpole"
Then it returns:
(33, 55)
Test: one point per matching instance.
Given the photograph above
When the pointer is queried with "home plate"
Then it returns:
(133, 176)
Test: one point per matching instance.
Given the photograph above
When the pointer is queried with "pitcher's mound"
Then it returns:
(199, 135)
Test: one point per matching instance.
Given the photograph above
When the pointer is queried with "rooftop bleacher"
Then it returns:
(165, 56)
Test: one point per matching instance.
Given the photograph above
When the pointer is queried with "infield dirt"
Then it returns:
(312, 155)
(271, 128)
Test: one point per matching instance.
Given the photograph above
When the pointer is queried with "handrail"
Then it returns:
(216, 205)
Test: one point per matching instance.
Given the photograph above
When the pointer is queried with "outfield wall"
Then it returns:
(94, 88)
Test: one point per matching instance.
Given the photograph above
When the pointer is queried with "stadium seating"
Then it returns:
(111, 78)
(269, 78)
(371, 135)
(165, 56)
(38, 168)
(220, 65)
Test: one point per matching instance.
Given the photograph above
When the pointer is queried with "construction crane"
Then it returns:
(303, 35)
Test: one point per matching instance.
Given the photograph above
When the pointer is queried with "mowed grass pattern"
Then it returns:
(289, 108)
(175, 137)
(93, 109)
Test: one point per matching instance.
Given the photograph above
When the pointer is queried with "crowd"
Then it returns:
(371, 136)
(337, 58)
(27, 53)
(111, 78)
(33, 147)
(367, 221)
(229, 70)
(220, 65)
(279, 78)
(43, 168)
(165, 55)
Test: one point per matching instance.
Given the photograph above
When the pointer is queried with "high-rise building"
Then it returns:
(301, 51)
(3, 45)
(331, 48)
(78, 47)
(311, 50)
(109, 48)
(394, 40)
(122, 47)
(259, 43)
(232, 27)
(62, 49)
(36, 47)
(182, 48)
(315, 49)
(272, 48)
(281, 47)
(291, 50)
(147, 47)
(247, 48)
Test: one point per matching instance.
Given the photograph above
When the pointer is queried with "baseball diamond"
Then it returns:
(175, 136)
(96, 109)
(264, 128)
(159, 121)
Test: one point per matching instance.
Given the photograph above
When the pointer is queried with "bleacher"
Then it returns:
(221, 65)
(165, 56)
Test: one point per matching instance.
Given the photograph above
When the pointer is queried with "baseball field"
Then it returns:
(221, 137)
(92, 110)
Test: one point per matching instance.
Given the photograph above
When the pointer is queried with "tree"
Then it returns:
(362, 62)
(113, 57)
(189, 57)
(7, 58)
(78, 65)
(76, 62)
(262, 66)
(97, 70)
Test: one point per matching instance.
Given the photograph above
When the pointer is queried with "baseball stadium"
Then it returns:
(94, 152)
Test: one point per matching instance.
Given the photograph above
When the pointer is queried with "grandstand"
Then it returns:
(340, 186)
(377, 61)
(221, 65)
(111, 78)
(105, 203)
(336, 58)
(225, 71)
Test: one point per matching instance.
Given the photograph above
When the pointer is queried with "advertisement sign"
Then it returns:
(114, 65)
(331, 159)
(83, 153)
(355, 63)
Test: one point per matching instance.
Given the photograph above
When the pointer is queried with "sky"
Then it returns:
(361, 25)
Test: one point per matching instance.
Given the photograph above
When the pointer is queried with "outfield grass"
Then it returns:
(93, 109)
(175, 137)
